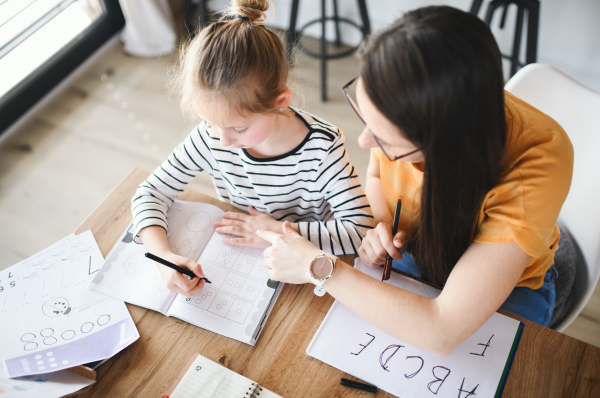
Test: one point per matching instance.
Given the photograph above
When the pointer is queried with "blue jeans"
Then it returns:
(534, 305)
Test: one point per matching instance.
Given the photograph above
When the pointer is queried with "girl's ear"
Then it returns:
(284, 99)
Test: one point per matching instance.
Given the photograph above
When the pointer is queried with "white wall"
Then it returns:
(569, 35)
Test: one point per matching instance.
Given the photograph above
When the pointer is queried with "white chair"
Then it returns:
(577, 109)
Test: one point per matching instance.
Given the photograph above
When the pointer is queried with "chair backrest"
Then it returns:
(577, 109)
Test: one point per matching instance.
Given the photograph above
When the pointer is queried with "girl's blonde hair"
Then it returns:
(237, 60)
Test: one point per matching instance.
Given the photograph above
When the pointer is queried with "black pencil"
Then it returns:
(176, 267)
(387, 268)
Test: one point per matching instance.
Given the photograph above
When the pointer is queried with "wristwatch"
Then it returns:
(322, 268)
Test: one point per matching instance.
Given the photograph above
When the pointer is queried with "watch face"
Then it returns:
(322, 267)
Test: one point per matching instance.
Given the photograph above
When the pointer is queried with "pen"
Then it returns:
(387, 268)
(356, 384)
(176, 267)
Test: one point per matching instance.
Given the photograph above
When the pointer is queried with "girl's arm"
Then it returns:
(155, 241)
(481, 281)
(156, 194)
(348, 205)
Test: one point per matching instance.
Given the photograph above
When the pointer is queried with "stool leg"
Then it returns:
(533, 19)
(364, 15)
(292, 37)
(323, 54)
(475, 6)
(338, 40)
(514, 59)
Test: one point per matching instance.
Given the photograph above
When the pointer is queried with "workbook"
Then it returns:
(206, 379)
(479, 367)
(235, 304)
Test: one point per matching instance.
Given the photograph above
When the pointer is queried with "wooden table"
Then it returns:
(547, 363)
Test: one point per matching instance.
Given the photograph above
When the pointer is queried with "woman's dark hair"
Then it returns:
(436, 73)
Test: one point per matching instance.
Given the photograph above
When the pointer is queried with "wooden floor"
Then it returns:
(118, 115)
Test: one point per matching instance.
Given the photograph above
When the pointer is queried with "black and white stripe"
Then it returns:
(314, 185)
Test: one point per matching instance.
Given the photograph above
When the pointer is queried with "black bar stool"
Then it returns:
(195, 15)
(525, 8)
(294, 34)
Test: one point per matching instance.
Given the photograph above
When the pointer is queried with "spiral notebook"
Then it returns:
(205, 379)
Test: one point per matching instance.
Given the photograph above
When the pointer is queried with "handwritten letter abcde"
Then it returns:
(474, 369)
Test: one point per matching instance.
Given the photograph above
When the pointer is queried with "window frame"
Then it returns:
(31, 90)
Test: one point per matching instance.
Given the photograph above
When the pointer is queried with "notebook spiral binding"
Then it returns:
(254, 392)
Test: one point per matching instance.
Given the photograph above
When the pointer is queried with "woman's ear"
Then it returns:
(283, 100)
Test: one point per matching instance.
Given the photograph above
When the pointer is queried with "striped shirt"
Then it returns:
(313, 185)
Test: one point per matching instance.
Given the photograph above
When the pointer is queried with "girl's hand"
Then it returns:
(179, 283)
(244, 227)
(378, 243)
(289, 256)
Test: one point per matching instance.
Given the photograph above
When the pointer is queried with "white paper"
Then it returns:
(235, 304)
(49, 320)
(347, 342)
(49, 385)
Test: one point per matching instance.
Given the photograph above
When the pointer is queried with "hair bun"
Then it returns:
(253, 10)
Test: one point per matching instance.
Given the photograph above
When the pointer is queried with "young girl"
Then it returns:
(277, 162)
(482, 177)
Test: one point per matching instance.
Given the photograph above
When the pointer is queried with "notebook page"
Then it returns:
(208, 379)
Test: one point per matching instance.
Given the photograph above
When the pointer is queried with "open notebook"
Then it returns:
(206, 379)
(237, 302)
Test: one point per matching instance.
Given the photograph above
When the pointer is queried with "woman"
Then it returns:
(481, 175)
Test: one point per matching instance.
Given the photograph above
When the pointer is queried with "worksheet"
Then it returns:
(49, 320)
(235, 304)
(477, 368)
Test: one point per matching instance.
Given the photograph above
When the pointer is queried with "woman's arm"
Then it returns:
(481, 281)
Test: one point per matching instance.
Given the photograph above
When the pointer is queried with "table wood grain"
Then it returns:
(547, 363)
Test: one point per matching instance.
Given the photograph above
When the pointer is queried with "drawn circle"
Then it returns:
(87, 327)
(209, 293)
(103, 320)
(199, 301)
(218, 306)
(198, 368)
(198, 222)
(203, 297)
(238, 311)
(68, 334)
(30, 346)
(56, 307)
(27, 337)
(50, 340)
(47, 332)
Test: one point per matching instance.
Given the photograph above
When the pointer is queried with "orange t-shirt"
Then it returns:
(523, 206)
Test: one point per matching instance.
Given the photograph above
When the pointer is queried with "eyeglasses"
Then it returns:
(355, 107)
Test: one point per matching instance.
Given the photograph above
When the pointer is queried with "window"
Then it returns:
(42, 42)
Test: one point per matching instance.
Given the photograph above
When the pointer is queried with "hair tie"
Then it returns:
(241, 16)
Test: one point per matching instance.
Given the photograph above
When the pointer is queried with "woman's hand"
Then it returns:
(289, 256)
(179, 283)
(378, 243)
(244, 226)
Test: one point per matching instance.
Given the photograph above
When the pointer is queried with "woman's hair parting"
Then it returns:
(237, 60)
(436, 73)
